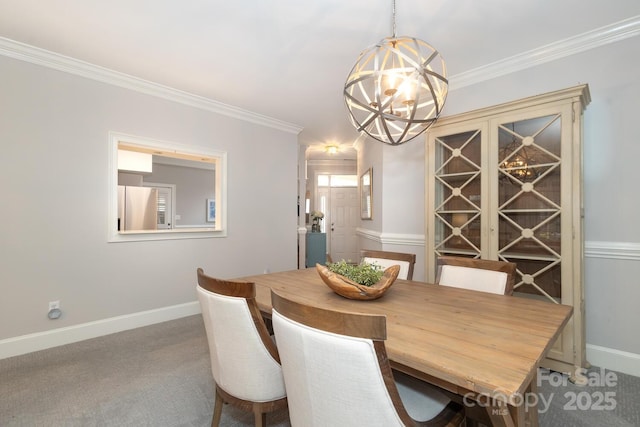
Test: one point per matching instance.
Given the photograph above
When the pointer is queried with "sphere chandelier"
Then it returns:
(397, 88)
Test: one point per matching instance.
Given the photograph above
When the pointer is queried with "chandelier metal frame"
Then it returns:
(396, 89)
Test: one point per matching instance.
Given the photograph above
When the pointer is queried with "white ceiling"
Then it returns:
(288, 59)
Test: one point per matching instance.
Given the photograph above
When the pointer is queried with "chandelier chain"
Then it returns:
(394, 19)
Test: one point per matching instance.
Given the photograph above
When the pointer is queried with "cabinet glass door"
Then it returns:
(529, 203)
(457, 194)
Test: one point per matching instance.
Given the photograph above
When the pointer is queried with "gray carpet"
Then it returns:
(160, 375)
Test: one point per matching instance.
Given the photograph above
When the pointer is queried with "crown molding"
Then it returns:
(612, 33)
(38, 56)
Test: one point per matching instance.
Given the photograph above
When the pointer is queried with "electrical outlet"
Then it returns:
(54, 305)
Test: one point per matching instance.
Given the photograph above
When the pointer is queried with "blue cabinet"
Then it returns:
(316, 249)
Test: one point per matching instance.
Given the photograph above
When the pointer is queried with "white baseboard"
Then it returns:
(42, 340)
(616, 360)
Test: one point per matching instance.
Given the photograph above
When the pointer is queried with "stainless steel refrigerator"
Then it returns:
(137, 208)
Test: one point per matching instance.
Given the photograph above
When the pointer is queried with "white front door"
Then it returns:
(345, 208)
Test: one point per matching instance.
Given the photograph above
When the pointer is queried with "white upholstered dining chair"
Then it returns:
(497, 277)
(337, 372)
(386, 259)
(244, 360)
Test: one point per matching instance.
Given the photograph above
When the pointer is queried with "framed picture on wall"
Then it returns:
(366, 194)
(211, 210)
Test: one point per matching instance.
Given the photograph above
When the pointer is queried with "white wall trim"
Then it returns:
(368, 234)
(42, 340)
(593, 249)
(613, 250)
(35, 55)
(616, 360)
(402, 239)
(391, 238)
(612, 33)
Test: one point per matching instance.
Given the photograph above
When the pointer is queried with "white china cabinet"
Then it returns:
(505, 182)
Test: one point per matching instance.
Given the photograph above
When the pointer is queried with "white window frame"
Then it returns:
(220, 227)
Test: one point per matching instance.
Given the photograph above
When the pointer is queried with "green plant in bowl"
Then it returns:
(364, 273)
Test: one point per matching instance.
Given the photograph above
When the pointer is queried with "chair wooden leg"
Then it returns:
(217, 410)
(260, 418)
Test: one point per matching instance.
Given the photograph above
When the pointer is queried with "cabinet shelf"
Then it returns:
(514, 256)
(460, 252)
(529, 211)
(457, 174)
(456, 211)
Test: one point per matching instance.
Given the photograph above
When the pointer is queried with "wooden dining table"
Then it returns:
(480, 347)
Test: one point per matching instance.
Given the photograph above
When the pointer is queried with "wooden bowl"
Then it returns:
(352, 290)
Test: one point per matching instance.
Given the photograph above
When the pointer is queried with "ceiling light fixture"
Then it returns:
(396, 89)
(331, 149)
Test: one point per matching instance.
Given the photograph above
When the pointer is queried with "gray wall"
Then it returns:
(54, 182)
